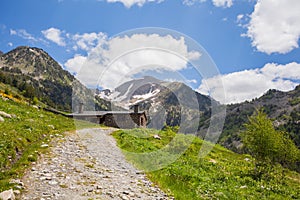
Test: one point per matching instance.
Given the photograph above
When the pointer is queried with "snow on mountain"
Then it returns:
(132, 92)
(146, 96)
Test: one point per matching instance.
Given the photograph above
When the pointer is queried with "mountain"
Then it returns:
(167, 103)
(37, 75)
(176, 104)
(282, 107)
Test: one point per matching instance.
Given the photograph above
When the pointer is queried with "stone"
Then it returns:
(157, 137)
(43, 178)
(17, 192)
(123, 197)
(4, 114)
(36, 107)
(212, 161)
(53, 182)
(7, 195)
(44, 145)
(1, 119)
(18, 187)
(110, 194)
(99, 187)
(126, 192)
(131, 194)
(16, 181)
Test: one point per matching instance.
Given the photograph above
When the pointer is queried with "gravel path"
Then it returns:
(87, 165)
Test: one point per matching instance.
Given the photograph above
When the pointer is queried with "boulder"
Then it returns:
(1, 119)
(7, 195)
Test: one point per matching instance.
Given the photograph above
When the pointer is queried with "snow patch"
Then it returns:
(146, 96)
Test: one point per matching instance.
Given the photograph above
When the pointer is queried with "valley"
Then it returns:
(32, 82)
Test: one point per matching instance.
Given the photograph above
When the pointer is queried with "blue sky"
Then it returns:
(254, 44)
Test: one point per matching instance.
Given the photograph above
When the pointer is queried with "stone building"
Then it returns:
(117, 119)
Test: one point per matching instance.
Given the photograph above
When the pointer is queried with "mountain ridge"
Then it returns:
(167, 103)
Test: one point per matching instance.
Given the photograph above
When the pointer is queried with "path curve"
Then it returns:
(87, 165)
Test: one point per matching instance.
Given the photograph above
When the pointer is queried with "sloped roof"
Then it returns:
(102, 113)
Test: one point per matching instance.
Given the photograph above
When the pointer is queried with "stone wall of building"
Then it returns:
(125, 121)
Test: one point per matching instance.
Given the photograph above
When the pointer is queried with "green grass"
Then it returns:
(221, 174)
(21, 137)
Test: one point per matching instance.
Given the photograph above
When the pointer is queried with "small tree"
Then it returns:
(289, 154)
(267, 145)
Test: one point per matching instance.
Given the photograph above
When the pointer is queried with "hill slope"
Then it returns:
(222, 174)
(282, 107)
(36, 74)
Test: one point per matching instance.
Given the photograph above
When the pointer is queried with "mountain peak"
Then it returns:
(31, 61)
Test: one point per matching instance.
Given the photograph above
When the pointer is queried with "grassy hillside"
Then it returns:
(22, 136)
(222, 174)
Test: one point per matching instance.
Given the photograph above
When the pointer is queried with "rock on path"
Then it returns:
(87, 165)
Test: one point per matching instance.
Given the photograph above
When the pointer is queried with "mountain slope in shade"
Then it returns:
(167, 103)
(36, 74)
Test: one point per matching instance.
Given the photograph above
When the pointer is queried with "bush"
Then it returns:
(267, 145)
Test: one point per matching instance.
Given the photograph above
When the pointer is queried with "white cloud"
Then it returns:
(239, 17)
(117, 60)
(225, 19)
(129, 3)
(54, 35)
(249, 84)
(192, 2)
(74, 65)
(13, 32)
(87, 41)
(223, 3)
(23, 34)
(275, 26)
(217, 3)
(140, 3)
(192, 81)
(10, 44)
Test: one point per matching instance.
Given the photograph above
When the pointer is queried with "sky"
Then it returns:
(233, 50)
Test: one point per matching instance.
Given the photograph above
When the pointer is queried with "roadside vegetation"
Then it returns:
(222, 174)
(268, 146)
(25, 135)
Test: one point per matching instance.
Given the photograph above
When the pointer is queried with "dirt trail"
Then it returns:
(87, 165)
